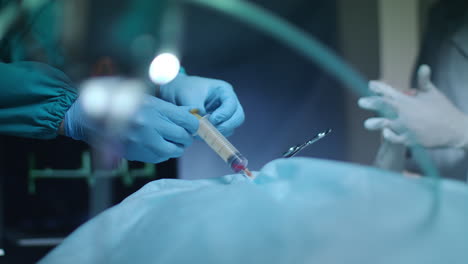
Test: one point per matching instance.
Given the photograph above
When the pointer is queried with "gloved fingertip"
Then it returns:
(424, 77)
(374, 86)
(191, 122)
(214, 119)
(195, 124)
(376, 123)
(364, 102)
(189, 143)
(391, 136)
(369, 124)
(386, 133)
(201, 110)
(228, 133)
(424, 70)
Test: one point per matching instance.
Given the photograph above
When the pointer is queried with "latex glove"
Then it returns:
(210, 96)
(424, 116)
(157, 131)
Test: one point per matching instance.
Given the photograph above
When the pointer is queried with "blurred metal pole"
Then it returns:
(358, 34)
(399, 40)
(100, 194)
(171, 30)
(74, 25)
(100, 187)
(74, 33)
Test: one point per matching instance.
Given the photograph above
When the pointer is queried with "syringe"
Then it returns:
(221, 145)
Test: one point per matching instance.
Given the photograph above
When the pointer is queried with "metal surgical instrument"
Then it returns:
(292, 151)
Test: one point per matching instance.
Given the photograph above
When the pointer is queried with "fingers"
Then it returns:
(175, 134)
(375, 103)
(381, 88)
(390, 129)
(227, 128)
(377, 123)
(182, 117)
(162, 151)
(179, 127)
(385, 107)
(228, 103)
(167, 140)
(168, 149)
(179, 115)
(152, 148)
(424, 78)
(393, 137)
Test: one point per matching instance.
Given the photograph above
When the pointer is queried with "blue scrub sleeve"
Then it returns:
(33, 99)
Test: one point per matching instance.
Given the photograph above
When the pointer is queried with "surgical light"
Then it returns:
(164, 68)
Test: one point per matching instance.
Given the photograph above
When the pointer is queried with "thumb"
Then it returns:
(200, 107)
(424, 78)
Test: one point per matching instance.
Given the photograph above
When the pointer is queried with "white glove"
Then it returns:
(424, 116)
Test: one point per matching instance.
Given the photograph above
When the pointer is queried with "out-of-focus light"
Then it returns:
(126, 100)
(95, 97)
(114, 99)
(164, 68)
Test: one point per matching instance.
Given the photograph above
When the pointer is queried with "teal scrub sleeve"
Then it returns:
(33, 99)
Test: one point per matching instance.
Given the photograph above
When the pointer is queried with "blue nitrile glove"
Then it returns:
(210, 96)
(156, 132)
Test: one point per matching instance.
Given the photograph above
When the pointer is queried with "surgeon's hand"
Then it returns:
(424, 116)
(157, 131)
(210, 96)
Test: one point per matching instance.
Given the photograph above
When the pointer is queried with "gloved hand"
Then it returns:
(157, 131)
(210, 96)
(424, 116)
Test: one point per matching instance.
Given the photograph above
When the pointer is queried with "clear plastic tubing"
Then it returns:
(221, 145)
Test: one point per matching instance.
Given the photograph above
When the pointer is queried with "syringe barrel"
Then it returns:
(221, 145)
(237, 162)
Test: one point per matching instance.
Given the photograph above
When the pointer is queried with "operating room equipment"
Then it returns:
(86, 171)
(236, 161)
(292, 151)
(312, 49)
